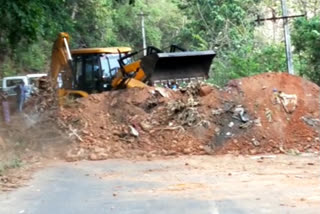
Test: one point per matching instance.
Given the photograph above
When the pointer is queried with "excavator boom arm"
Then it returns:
(61, 60)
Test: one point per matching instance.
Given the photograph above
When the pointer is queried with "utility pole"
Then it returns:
(143, 33)
(287, 37)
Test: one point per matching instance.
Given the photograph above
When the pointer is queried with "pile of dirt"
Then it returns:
(252, 115)
(266, 113)
(285, 125)
(138, 122)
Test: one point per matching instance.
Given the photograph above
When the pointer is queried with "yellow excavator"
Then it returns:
(80, 72)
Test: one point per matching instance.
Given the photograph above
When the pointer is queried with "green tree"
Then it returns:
(26, 21)
(306, 39)
(215, 23)
(162, 23)
(228, 28)
(28, 29)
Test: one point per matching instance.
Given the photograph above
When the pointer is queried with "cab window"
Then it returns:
(88, 72)
(14, 82)
(105, 67)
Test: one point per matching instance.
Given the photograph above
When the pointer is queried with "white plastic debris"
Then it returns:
(134, 131)
(231, 124)
(162, 91)
(239, 111)
(217, 111)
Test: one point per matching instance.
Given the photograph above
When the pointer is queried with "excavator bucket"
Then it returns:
(177, 66)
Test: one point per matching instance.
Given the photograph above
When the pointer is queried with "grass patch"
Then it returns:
(11, 164)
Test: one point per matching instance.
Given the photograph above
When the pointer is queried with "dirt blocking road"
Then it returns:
(198, 184)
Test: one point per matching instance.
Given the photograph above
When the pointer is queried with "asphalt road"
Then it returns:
(195, 185)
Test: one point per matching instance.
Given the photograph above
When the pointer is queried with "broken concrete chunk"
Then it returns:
(145, 126)
(288, 101)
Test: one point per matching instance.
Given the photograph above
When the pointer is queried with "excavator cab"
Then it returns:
(93, 71)
(86, 73)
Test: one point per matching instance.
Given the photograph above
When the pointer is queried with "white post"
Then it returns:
(68, 49)
(143, 34)
(287, 37)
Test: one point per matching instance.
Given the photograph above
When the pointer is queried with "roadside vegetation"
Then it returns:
(28, 30)
(6, 165)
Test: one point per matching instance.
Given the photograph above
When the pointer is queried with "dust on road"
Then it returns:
(197, 184)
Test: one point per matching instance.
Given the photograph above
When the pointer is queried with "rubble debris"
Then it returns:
(257, 122)
(255, 142)
(193, 88)
(277, 124)
(217, 130)
(184, 113)
(240, 113)
(134, 131)
(234, 84)
(217, 111)
(288, 101)
(145, 126)
(231, 124)
(152, 122)
(163, 92)
(311, 121)
(75, 154)
(205, 90)
(268, 114)
(246, 125)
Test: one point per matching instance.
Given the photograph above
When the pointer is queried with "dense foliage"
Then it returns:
(29, 27)
(306, 39)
